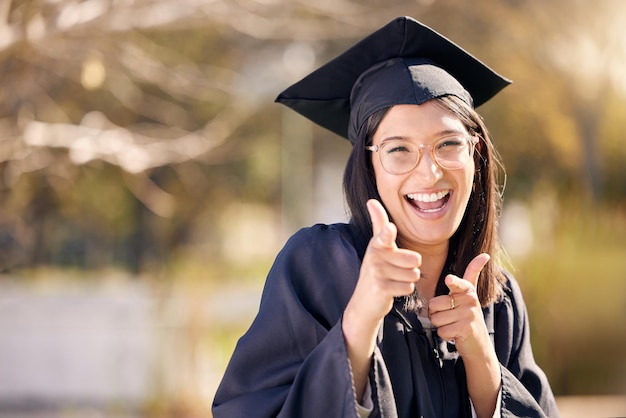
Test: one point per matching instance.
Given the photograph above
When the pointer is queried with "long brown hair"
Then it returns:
(478, 231)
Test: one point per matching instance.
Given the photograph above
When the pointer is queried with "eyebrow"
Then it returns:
(440, 134)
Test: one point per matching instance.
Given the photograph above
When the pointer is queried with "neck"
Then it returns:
(433, 261)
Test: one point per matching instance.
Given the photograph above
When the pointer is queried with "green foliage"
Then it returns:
(204, 77)
(575, 291)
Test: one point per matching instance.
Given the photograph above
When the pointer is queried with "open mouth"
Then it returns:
(429, 202)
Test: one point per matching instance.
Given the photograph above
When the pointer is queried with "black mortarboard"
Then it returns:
(404, 62)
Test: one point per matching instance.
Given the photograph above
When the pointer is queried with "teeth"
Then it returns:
(428, 197)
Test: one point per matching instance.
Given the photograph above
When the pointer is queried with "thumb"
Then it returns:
(382, 229)
(472, 272)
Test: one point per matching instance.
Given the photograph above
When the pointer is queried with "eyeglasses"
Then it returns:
(401, 156)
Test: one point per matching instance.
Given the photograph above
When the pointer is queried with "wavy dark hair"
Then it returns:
(478, 231)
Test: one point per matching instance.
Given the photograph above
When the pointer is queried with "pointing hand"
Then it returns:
(387, 271)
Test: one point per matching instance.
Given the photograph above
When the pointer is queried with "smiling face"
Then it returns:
(427, 203)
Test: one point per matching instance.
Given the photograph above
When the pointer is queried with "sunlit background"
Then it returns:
(147, 181)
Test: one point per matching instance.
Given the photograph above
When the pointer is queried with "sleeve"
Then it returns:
(366, 406)
(293, 361)
(525, 388)
(497, 412)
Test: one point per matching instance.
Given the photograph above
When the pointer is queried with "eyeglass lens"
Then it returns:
(398, 157)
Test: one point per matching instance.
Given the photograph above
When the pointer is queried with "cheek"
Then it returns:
(383, 183)
(387, 185)
(468, 181)
(471, 173)
(381, 176)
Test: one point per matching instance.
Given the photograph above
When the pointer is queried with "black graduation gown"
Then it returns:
(293, 362)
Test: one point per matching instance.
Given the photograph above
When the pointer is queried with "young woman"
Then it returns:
(405, 311)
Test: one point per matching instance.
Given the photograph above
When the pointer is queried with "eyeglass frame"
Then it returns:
(471, 139)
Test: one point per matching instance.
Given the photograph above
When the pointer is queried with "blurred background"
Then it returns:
(147, 181)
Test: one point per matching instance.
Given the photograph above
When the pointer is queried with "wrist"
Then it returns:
(358, 329)
(484, 360)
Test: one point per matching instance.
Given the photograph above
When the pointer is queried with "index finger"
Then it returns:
(378, 215)
(383, 230)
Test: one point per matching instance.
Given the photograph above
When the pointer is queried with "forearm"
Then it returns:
(483, 383)
(360, 339)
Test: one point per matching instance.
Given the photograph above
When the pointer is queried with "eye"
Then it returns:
(397, 148)
(450, 143)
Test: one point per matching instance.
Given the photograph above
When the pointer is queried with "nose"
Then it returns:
(427, 169)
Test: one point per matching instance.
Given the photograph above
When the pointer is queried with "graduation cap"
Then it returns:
(404, 62)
